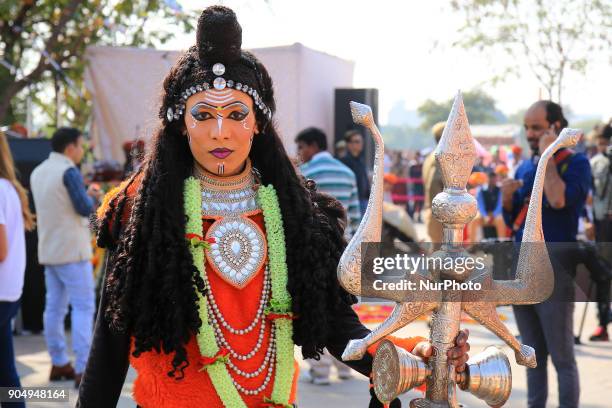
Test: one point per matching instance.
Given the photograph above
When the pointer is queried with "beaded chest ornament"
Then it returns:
(275, 303)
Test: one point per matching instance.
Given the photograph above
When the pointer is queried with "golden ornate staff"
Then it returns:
(488, 375)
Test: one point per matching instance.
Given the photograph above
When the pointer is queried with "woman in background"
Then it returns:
(15, 218)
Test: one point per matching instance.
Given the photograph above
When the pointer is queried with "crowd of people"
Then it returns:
(577, 206)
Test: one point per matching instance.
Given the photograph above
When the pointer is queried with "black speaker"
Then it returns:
(27, 154)
(343, 119)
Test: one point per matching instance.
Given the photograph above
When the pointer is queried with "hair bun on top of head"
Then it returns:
(222, 64)
(219, 36)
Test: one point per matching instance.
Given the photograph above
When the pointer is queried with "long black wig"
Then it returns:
(151, 281)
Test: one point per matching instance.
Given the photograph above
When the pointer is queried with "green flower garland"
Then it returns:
(280, 303)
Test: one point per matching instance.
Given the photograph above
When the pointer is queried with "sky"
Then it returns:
(403, 48)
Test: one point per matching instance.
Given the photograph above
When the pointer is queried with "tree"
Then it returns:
(406, 137)
(479, 107)
(43, 42)
(517, 117)
(551, 37)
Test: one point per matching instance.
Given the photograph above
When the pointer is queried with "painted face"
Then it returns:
(220, 127)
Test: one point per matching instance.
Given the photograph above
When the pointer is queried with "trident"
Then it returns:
(488, 374)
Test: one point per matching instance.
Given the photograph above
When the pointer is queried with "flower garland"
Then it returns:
(281, 299)
(280, 303)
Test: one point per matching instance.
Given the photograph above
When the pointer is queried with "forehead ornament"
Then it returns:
(218, 69)
(219, 83)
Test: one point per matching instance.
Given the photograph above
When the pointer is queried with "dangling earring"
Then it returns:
(220, 169)
(257, 177)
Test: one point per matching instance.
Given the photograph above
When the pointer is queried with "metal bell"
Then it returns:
(396, 371)
(488, 376)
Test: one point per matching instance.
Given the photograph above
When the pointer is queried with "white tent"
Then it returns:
(126, 84)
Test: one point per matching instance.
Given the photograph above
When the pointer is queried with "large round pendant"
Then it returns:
(239, 249)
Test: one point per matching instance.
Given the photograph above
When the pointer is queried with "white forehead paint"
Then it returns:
(218, 97)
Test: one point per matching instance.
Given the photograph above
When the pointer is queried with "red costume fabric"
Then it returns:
(154, 388)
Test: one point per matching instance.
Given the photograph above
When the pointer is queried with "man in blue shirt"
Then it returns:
(548, 326)
(336, 179)
(330, 174)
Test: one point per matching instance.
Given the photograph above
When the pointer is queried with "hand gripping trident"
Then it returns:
(488, 375)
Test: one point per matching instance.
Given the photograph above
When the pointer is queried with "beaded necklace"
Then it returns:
(275, 304)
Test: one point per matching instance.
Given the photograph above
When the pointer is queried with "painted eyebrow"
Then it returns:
(238, 103)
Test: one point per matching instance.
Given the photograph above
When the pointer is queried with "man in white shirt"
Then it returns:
(64, 248)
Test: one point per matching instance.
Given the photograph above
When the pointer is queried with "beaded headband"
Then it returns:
(219, 83)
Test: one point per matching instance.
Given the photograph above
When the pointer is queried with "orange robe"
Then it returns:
(154, 388)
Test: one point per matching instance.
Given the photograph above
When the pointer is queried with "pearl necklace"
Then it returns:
(261, 387)
(243, 357)
(260, 309)
(216, 316)
(279, 354)
(233, 198)
(270, 357)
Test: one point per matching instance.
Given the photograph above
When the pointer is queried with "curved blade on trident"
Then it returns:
(488, 374)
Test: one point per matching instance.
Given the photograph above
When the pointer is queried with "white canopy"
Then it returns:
(126, 85)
